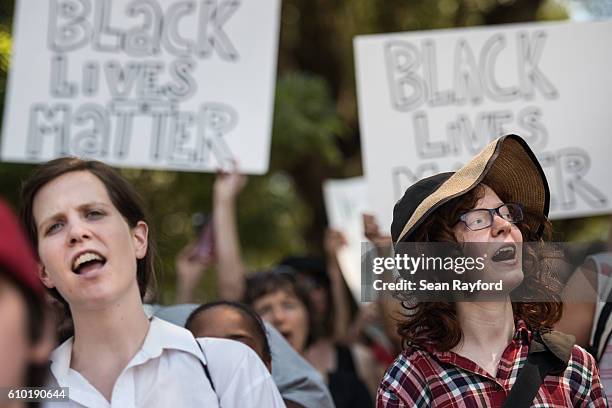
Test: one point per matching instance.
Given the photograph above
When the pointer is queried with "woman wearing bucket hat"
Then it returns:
(475, 351)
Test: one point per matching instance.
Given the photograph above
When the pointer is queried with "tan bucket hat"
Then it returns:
(507, 165)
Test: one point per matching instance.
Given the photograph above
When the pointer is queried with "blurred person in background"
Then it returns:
(234, 321)
(237, 321)
(389, 307)
(588, 311)
(276, 295)
(25, 333)
(312, 320)
(96, 255)
(298, 382)
(335, 344)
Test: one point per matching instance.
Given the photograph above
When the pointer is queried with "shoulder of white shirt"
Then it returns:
(162, 336)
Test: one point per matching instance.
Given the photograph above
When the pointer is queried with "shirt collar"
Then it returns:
(522, 332)
(164, 335)
(60, 360)
(161, 335)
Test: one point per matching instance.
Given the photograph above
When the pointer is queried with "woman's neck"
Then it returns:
(482, 322)
(106, 340)
(487, 328)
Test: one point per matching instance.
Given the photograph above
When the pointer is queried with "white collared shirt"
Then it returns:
(167, 372)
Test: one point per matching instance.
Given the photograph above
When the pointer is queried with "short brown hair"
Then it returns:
(436, 323)
(123, 196)
(283, 279)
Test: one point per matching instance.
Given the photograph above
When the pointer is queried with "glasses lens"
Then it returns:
(477, 219)
(511, 212)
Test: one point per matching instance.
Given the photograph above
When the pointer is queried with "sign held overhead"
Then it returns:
(430, 100)
(143, 83)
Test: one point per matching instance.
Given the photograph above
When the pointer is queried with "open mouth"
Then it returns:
(87, 261)
(505, 253)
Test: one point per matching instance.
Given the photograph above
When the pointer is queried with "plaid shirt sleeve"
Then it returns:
(583, 376)
(403, 386)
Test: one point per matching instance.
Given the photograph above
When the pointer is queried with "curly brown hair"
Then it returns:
(436, 323)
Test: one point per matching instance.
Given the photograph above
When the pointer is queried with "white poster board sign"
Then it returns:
(167, 84)
(428, 101)
(345, 202)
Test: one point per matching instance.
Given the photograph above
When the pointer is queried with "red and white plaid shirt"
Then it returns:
(427, 378)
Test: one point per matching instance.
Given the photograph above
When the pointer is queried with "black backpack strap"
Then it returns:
(549, 353)
(530, 378)
(205, 367)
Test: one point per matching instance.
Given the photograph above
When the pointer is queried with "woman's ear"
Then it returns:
(44, 277)
(140, 235)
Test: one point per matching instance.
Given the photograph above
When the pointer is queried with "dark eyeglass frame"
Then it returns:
(492, 212)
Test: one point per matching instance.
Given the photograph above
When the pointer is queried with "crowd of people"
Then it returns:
(77, 275)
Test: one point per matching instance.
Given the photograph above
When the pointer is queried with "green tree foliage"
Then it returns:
(305, 122)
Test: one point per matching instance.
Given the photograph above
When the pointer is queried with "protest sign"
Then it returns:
(186, 85)
(345, 202)
(430, 100)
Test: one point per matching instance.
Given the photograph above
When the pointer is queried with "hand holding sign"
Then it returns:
(228, 185)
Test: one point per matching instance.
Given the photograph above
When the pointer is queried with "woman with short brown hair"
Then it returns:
(95, 252)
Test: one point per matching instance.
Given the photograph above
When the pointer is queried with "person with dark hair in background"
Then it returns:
(490, 350)
(237, 321)
(96, 255)
(299, 325)
(299, 383)
(277, 296)
(390, 308)
(331, 348)
(25, 343)
(231, 320)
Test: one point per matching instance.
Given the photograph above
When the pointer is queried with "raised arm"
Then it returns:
(230, 267)
(334, 241)
(390, 308)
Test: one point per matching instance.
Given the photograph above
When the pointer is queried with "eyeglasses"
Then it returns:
(483, 217)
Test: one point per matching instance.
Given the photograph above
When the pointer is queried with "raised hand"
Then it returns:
(228, 185)
(334, 240)
(373, 234)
